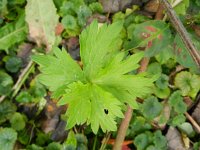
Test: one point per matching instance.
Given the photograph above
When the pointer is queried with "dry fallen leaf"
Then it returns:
(42, 19)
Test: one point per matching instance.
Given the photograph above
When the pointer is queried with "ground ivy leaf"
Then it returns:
(177, 120)
(7, 109)
(176, 101)
(6, 83)
(17, 121)
(188, 83)
(159, 140)
(42, 20)
(8, 136)
(162, 82)
(151, 108)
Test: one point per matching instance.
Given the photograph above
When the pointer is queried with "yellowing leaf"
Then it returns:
(42, 20)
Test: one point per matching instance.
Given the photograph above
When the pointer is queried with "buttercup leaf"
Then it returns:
(95, 94)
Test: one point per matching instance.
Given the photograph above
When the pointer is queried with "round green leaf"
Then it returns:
(141, 141)
(17, 121)
(162, 82)
(6, 83)
(159, 140)
(154, 68)
(13, 64)
(8, 137)
(188, 83)
(24, 97)
(187, 129)
(176, 101)
(151, 108)
(7, 109)
(54, 146)
(69, 22)
(162, 93)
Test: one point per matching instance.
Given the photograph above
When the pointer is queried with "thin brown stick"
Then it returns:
(128, 114)
(193, 122)
(122, 129)
(182, 32)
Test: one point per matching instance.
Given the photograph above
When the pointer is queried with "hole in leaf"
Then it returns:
(106, 111)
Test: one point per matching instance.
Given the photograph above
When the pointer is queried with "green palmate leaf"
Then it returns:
(59, 71)
(154, 35)
(95, 95)
(188, 83)
(12, 33)
(42, 19)
(8, 136)
(94, 56)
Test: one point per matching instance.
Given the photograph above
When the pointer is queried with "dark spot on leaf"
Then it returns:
(150, 28)
(36, 20)
(106, 111)
(149, 44)
(160, 37)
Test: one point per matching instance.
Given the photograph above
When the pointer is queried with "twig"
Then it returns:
(105, 141)
(2, 98)
(194, 123)
(182, 32)
(159, 13)
(122, 129)
(20, 80)
(128, 114)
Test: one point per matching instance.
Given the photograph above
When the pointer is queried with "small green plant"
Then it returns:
(96, 93)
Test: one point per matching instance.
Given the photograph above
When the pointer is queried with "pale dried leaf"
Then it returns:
(42, 19)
